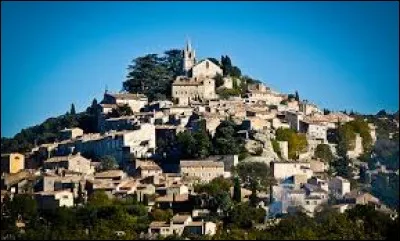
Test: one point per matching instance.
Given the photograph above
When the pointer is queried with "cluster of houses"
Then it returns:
(61, 172)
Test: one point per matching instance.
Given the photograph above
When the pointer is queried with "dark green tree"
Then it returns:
(237, 191)
(219, 81)
(226, 141)
(324, 152)
(108, 163)
(72, 111)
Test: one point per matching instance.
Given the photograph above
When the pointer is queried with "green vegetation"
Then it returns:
(100, 219)
(194, 144)
(297, 143)
(258, 172)
(123, 110)
(225, 93)
(228, 69)
(161, 215)
(219, 80)
(237, 191)
(226, 140)
(48, 131)
(347, 136)
(275, 146)
(214, 187)
(296, 96)
(324, 152)
(153, 74)
(108, 163)
(362, 222)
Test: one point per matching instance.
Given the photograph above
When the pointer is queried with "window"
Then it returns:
(207, 65)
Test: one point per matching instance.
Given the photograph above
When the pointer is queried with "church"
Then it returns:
(197, 83)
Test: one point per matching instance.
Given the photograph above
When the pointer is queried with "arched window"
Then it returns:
(207, 65)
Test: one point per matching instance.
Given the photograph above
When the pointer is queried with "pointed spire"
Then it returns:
(188, 44)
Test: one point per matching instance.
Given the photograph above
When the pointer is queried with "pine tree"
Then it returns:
(296, 96)
(237, 191)
(72, 111)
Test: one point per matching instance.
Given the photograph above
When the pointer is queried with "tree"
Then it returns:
(225, 93)
(219, 80)
(381, 113)
(121, 110)
(297, 142)
(324, 152)
(296, 96)
(214, 187)
(226, 141)
(161, 215)
(194, 145)
(326, 111)
(237, 191)
(253, 196)
(150, 75)
(255, 172)
(214, 60)
(99, 198)
(108, 163)
(243, 215)
(72, 111)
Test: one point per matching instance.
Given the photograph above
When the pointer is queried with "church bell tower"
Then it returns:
(188, 57)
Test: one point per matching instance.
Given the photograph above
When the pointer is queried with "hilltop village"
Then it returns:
(198, 156)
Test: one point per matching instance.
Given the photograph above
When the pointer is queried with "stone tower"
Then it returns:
(188, 57)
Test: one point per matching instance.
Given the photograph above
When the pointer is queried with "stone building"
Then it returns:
(76, 163)
(197, 84)
(135, 101)
(205, 170)
(12, 163)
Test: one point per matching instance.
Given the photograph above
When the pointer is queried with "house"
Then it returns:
(175, 226)
(115, 175)
(339, 186)
(149, 168)
(205, 170)
(49, 183)
(134, 101)
(76, 163)
(198, 82)
(105, 185)
(318, 166)
(360, 197)
(12, 163)
(143, 190)
(201, 228)
(54, 199)
(71, 133)
(139, 142)
(126, 187)
(178, 203)
(16, 182)
(177, 189)
(283, 170)
(314, 130)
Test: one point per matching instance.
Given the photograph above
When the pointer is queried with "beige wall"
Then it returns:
(12, 163)
(206, 68)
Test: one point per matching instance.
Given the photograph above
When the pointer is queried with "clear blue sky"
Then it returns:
(339, 55)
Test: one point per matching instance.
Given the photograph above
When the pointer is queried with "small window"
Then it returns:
(207, 65)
